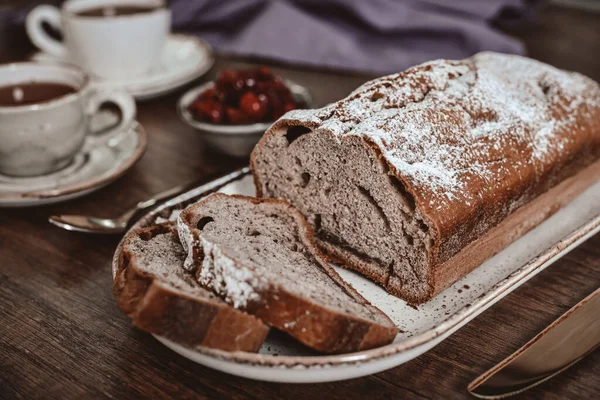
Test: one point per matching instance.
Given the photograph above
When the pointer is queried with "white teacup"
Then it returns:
(42, 137)
(118, 47)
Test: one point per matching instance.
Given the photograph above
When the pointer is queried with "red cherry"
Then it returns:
(209, 110)
(208, 94)
(253, 106)
(225, 80)
(236, 116)
(196, 108)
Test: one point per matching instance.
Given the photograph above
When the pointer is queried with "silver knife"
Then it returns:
(567, 340)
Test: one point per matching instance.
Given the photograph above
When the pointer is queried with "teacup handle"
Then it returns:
(38, 35)
(126, 105)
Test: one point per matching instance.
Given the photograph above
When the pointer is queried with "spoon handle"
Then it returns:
(172, 192)
(157, 198)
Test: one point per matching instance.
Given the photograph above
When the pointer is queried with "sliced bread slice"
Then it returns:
(259, 256)
(160, 297)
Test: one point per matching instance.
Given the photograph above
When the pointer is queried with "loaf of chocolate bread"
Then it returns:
(416, 178)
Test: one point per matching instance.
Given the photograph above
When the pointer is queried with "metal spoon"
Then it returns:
(89, 224)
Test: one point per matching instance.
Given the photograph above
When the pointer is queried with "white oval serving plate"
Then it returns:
(282, 360)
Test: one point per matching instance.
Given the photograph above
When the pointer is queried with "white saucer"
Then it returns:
(184, 59)
(87, 172)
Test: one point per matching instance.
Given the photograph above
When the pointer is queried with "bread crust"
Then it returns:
(459, 223)
(157, 307)
(316, 326)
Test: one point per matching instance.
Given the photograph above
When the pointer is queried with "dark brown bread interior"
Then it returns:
(152, 288)
(412, 169)
(259, 256)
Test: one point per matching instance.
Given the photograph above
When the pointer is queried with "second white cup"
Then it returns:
(115, 46)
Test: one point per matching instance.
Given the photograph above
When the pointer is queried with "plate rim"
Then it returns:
(95, 183)
(454, 321)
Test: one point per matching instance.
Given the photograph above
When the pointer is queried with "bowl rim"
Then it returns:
(207, 128)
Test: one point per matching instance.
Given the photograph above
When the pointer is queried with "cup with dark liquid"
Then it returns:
(111, 39)
(45, 113)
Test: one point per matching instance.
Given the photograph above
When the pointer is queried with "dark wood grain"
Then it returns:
(61, 335)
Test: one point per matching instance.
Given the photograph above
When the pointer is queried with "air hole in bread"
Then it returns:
(390, 272)
(408, 198)
(424, 228)
(146, 235)
(254, 233)
(545, 86)
(294, 132)
(327, 190)
(155, 230)
(317, 222)
(203, 221)
(304, 179)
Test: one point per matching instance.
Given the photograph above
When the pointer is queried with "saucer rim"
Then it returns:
(146, 89)
(97, 182)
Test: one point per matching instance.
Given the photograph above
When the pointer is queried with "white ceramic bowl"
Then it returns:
(234, 140)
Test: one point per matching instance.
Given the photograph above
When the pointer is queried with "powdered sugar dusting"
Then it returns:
(187, 241)
(456, 130)
(236, 283)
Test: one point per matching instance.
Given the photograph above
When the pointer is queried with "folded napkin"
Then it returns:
(378, 36)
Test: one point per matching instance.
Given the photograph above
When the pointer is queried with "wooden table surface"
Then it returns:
(63, 337)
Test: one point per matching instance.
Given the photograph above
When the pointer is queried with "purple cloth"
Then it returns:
(379, 36)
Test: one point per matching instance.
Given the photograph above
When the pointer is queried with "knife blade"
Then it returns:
(567, 340)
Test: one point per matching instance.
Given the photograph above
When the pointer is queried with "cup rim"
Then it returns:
(71, 14)
(52, 102)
